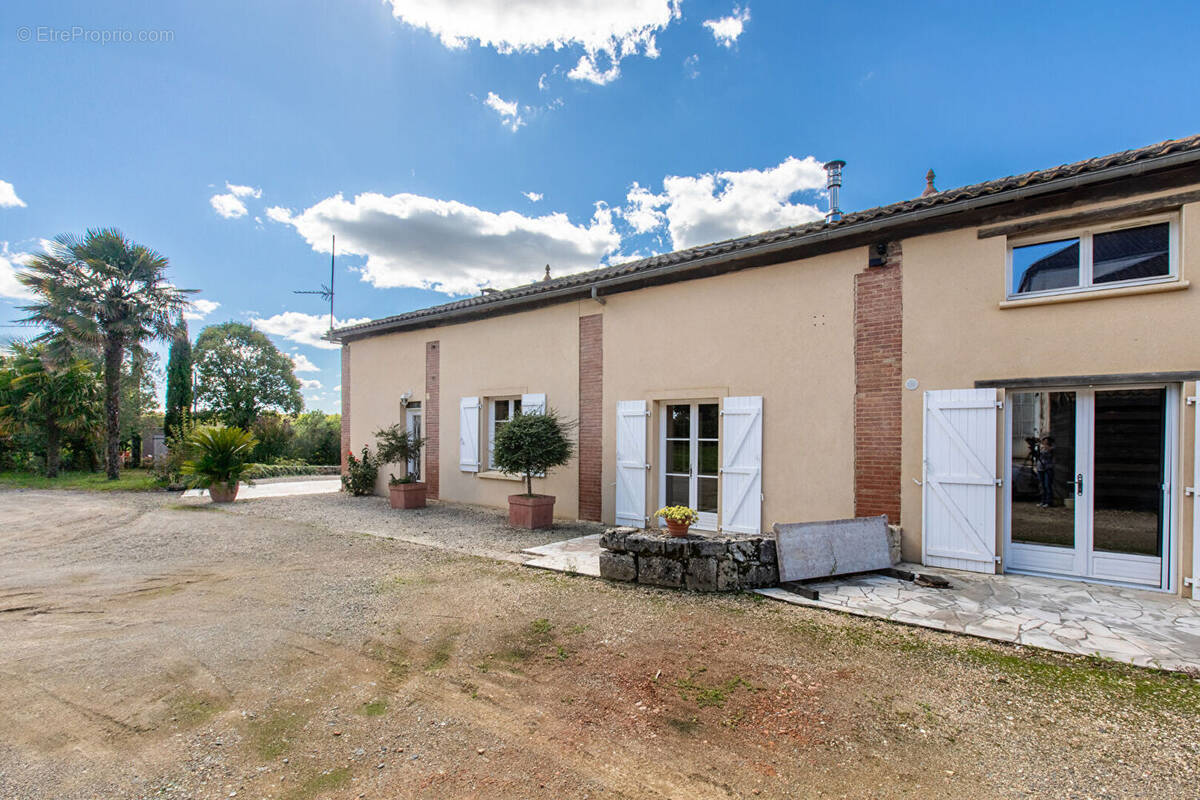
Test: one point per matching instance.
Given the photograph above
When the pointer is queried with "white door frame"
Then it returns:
(1083, 562)
(413, 422)
(708, 520)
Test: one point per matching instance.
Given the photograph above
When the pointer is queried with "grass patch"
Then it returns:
(270, 736)
(524, 645)
(191, 708)
(714, 695)
(321, 783)
(1087, 674)
(440, 655)
(131, 480)
(375, 708)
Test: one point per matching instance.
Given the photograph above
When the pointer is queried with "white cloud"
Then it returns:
(302, 328)
(416, 241)
(201, 308)
(509, 111)
(601, 28)
(533, 197)
(691, 66)
(244, 191)
(726, 30)
(543, 84)
(723, 205)
(10, 262)
(8, 196)
(310, 384)
(301, 363)
(228, 205)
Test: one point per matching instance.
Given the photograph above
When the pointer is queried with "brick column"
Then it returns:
(430, 411)
(591, 414)
(878, 349)
(345, 405)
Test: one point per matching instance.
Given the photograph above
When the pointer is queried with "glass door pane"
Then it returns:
(707, 462)
(677, 467)
(1127, 471)
(1042, 479)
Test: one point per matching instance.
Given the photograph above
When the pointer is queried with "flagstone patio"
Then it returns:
(1133, 626)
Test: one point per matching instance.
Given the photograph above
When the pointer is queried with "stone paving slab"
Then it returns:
(1128, 625)
(580, 556)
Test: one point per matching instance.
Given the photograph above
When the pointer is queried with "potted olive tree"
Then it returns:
(219, 458)
(530, 445)
(397, 445)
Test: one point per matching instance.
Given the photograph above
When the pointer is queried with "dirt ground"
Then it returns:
(152, 649)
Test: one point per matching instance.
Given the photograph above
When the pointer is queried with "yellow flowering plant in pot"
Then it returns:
(678, 519)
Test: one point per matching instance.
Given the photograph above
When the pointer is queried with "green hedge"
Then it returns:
(258, 471)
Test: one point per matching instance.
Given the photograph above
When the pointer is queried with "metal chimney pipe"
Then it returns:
(833, 182)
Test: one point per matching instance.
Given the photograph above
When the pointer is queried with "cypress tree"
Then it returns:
(179, 380)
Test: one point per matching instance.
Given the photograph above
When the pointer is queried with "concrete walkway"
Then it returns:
(322, 485)
(1128, 625)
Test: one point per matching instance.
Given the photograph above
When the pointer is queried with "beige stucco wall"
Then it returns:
(535, 351)
(784, 332)
(956, 332)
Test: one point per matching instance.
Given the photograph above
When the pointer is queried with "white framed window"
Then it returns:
(500, 411)
(1128, 253)
(689, 451)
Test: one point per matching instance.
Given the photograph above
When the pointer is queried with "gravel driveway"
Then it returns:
(151, 648)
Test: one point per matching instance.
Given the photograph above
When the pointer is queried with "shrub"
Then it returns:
(220, 456)
(532, 444)
(359, 479)
(397, 445)
(168, 470)
(317, 438)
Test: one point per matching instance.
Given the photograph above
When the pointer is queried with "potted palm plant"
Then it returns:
(530, 445)
(397, 445)
(219, 458)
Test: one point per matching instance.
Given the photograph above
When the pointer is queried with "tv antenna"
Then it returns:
(326, 292)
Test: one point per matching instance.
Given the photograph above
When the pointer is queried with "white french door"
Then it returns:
(1090, 482)
(413, 421)
(689, 452)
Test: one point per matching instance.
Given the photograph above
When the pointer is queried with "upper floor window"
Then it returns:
(1128, 254)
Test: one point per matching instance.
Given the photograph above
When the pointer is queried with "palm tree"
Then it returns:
(54, 399)
(106, 293)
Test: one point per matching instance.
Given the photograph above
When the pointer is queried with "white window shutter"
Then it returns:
(533, 404)
(1196, 498)
(959, 497)
(741, 465)
(631, 463)
(468, 434)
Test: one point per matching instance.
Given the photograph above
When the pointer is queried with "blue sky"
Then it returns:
(452, 145)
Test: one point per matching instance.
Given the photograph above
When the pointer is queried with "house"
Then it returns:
(1006, 370)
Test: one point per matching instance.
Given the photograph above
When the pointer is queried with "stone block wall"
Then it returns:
(694, 562)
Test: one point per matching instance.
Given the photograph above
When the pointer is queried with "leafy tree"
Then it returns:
(139, 397)
(106, 293)
(240, 373)
(397, 445)
(273, 433)
(52, 400)
(532, 444)
(317, 438)
(179, 380)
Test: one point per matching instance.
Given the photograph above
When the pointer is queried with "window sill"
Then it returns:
(1096, 294)
(496, 475)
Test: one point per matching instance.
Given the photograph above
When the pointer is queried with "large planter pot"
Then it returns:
(531, 511)
(406, 495)
(677, 528)
(223, 492)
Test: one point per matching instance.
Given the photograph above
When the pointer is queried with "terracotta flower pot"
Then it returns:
(531, 511)
(677, 528)
(223, 492)
(406, 495)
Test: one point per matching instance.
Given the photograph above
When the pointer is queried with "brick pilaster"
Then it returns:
(591, 414)
(345, 405)
(431, 413)
(878, 349)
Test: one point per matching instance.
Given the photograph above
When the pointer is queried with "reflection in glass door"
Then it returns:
(1088, 483)
(1044, 515)
(690, 460)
